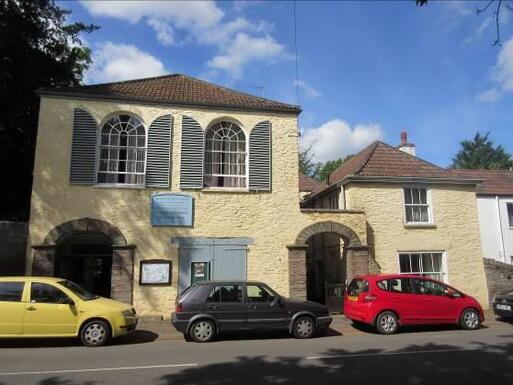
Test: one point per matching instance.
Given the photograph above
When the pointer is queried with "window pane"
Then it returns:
(11, 291)
(258, 294)
(358, 286)
(215, 295)
(231, 293)
(415, 195)
(44, 293)
(427, 263)
(415, 263)
(409, 213)
(437, 262)
(427, 287)
(424, 214)
(404, 262)
(402, 285)
(407, 196)
(510, 214)
(423, 196)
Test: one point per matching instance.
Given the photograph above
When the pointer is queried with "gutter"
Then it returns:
(392, 179)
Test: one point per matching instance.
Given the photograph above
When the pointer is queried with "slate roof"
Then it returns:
(175, 89)
(495, 182)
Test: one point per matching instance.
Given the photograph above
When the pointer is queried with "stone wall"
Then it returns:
(499, 277)
(13, 242)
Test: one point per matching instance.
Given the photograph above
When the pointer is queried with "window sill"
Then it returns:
(226, 190)
(122, 186)
(420, 225)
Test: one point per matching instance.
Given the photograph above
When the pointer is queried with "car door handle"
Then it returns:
(31, 308)
(252, 307)
(212, 307)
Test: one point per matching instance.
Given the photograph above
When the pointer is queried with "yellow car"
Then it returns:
(55, 307)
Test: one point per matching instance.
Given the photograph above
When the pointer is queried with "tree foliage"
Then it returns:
(38, 49)
(481, 154)
(318, 170)
(331, 165)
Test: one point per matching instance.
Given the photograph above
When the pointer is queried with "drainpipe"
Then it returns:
(500, 228)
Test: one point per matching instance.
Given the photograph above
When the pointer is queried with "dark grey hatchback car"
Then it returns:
(208, 308)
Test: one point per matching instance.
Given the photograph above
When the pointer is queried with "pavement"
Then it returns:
(345, 355)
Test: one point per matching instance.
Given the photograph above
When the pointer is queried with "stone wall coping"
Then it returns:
(318, 210)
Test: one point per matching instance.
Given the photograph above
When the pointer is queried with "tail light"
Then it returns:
(178, 308)
(370, 298)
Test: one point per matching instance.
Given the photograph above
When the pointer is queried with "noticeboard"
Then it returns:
(171, 209)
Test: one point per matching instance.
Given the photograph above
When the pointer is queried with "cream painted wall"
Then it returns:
(273, 219)
(455, 231)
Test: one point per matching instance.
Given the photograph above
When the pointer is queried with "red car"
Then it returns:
(387, 301)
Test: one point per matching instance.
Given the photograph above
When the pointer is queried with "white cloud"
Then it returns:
(244, 49)
(164, 31)
(336, 139)
(502, 74)
(309, 91)
(113, 62)
(201, 22)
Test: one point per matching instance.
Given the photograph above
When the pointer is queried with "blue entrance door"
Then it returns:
(226, 259)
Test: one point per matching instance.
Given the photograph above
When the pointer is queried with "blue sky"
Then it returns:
(367, 70)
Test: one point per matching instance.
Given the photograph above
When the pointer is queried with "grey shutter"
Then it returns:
(83, 149)
(260, 157)
(191, 161)
(158, 159)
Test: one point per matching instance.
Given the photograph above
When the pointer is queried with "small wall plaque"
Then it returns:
(155, 272)
(171, 209)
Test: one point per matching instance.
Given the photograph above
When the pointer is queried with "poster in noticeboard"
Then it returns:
(155, 272)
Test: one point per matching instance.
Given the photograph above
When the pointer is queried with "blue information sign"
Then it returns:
(169, 209)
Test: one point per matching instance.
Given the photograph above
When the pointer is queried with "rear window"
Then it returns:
(11, 291)
(358, 286)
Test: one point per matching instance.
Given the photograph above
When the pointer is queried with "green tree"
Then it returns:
(306, 164)
(480, 153)
(38, 49)
(331, 165)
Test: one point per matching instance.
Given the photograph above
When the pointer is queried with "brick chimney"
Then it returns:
(409, 148)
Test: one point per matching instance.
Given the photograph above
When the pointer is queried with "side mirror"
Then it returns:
(452, 293)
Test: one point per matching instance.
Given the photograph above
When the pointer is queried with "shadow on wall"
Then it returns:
(13, 241)
(443, 363)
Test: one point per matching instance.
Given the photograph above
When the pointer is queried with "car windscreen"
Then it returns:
(358, 286)
(78, 290)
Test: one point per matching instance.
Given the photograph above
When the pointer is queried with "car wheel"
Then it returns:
(95, 333)
(202, 331)
(470, 320)
(387, 323)
(304, 327)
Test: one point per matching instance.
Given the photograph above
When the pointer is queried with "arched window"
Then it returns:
(122, 151)
(225, 156)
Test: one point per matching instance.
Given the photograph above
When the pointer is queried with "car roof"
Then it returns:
(230, 283)
(376, 277)
(30, 278)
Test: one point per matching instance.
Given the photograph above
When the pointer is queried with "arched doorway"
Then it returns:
(86, 258)
(324, 255)
(91, 252)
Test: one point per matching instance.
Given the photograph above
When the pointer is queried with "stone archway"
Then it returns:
(122, 273)
(357, 256)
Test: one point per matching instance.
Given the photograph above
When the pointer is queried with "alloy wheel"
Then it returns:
(471, 319)
(388, 323)
(95, 334)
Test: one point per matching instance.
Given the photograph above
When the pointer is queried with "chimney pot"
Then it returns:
(404, 138)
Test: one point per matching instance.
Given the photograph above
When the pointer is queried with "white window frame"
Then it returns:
(245, 176)
(99, 146)
(444, 272)
(429, 204)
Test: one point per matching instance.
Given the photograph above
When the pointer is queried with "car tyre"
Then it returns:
(470, 319)
(95, 333)
(387, 322)
(303, 327)
(202, 330)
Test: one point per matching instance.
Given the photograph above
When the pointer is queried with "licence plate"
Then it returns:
(503, 307)
(353, 298)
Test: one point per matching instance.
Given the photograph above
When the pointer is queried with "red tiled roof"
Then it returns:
(382, 160)
(174, 89)
(495, 182)
(307, 184)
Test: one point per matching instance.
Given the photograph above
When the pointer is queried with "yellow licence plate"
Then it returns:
(352, 298)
